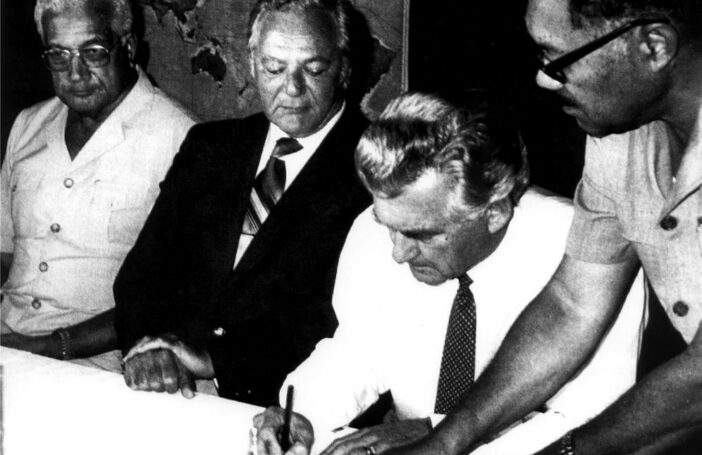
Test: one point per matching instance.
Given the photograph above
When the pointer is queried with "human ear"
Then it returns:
(499, 214)
(659, 45)
(130, 44)
(252, 65)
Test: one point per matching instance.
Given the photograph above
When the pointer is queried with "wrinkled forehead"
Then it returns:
(85, 20)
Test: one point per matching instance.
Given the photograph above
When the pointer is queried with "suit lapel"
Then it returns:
(246, 148)
(308, 195)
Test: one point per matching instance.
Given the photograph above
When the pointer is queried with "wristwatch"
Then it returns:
(64, 337)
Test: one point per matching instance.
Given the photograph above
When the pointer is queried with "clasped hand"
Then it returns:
(166, 363)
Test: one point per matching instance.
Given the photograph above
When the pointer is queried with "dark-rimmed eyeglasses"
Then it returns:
(93, 56)
(554, 69)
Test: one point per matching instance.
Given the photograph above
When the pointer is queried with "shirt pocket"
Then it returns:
(123, 207)
(26, 204)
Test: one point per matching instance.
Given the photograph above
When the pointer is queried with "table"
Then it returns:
(51, 407)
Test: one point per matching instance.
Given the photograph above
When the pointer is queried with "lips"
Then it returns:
(81, 93)
(293, 109)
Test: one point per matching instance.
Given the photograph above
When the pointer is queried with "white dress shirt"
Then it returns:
(392, 329)
(294, 162)
(70, 223)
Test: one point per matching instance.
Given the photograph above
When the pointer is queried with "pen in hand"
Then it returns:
(285, 433)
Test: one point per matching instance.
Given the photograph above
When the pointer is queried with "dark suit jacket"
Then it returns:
(261, 320)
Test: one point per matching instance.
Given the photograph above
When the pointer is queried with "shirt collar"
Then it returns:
(689, 175)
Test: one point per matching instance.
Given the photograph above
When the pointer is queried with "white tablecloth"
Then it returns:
(51, 407)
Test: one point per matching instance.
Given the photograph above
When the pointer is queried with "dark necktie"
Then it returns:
(269, 186)
(458, 361)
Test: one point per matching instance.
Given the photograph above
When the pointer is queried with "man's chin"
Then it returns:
(427, 275)
(295, 125)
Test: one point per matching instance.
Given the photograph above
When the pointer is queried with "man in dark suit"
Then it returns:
(232, 275)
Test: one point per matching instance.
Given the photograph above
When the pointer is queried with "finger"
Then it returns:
(132, 351)
(354, 442)
(298, 448)
(150, 345)
(146, 370)
(128, 375)
(185, 381)
(258, 421)
(268, 442)
(170, 374)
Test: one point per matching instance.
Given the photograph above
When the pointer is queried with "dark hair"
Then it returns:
(685, 14)
(419, 132)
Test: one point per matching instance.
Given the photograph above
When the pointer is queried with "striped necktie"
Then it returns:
(269, 186)
(458, 361)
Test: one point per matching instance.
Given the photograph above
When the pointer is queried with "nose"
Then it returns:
(294, 83)
(403, 249)
(76, 67)
(546, 82)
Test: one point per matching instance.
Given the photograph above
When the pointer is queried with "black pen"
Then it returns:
(285, 433)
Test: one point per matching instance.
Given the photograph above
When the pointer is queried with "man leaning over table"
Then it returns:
(80, 176)
(232, 276)
(450, 186)
(630, 73)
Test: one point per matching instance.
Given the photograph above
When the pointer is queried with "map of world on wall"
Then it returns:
(197, 53)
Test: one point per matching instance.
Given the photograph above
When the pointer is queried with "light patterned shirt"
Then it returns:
(70, 223)
(629, 204)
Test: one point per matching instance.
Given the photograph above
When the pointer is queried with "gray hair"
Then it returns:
(118, 13)
(340, 11)
(417, 133)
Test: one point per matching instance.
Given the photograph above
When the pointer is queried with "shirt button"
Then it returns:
(36, 304)
(680, 308)
(43, 266)
(55, 228)
(219, 331)
(68, 182)
(669, 223)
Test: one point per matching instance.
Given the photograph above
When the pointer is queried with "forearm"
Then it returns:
(664, 407)
(91, 337)
(548, 343)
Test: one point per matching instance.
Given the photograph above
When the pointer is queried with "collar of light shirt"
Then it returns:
(294, 162)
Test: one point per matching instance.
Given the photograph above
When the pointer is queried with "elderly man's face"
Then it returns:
(436, 246)
(91, 92)
(298, 70)
(607, 91)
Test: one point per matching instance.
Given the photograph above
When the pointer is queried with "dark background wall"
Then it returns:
(452, 45)
(483, 43)
(23, 78)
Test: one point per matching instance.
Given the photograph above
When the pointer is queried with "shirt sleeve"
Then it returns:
(596, 233)
(610, 372)
(343, 376)
(7, 231)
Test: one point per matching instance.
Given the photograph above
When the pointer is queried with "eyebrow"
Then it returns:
(92, 41)
(420, 232)
(316, 58)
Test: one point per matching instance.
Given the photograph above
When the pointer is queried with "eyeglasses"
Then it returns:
(554, 69)
(93, 56)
